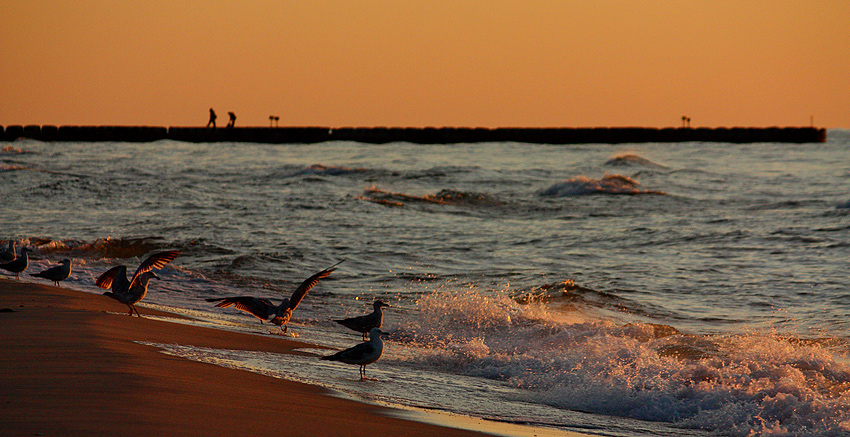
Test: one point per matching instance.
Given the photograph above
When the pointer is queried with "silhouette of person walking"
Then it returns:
(212, 118)
(232, 121)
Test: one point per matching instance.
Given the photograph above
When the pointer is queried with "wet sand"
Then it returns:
(71, 364)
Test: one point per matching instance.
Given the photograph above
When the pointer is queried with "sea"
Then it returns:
(671, 289)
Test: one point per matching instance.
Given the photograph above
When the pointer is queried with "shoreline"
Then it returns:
(75, 364)
(427, 135)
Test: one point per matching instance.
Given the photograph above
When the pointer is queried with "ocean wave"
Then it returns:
(609, 184)
(11, 167)
(314, 170)
(740, 384)
(632, 160)
(110, 248)
(12, 150)
(327, 170)
(443, 197)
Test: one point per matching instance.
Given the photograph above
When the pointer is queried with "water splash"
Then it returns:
(759, 382)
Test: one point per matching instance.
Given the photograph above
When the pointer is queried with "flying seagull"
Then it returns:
(130, 292)
(9, 255)
(19, 264)
(363, 353)
(264, 309)
(58, 273)
(364, 324)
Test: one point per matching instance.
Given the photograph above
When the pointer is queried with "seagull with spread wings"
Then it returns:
(264, 309)
(131, 291)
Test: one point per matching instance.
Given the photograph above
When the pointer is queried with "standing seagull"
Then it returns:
(58, 273)
(9, 255)
(19, 264)
(364, 324)
(130, 292)
(363, 353)
(263, 309)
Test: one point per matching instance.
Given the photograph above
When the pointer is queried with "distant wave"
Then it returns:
(609, 184)
(443, 197)
(329, 170)
(844, 205)
(101, 248)
(294, 171)
(631, 160)
(12, 150)
(11, 167)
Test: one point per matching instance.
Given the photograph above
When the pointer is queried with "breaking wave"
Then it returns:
(740, 384)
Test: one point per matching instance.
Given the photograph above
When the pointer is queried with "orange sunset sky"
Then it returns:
(426, 63)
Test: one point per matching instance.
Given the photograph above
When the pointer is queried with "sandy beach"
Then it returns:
(72, 364)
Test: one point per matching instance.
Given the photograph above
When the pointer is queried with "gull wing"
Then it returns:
(356, 354)
(117, 275)
(305, 286)
(363, 323)
(53, 272)
(155, 261)
(260, 308)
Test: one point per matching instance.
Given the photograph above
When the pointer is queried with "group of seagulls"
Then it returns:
(130, 291)
(370, 324)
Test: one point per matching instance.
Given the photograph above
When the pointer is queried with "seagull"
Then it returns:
(364, 324)
(363, 353)
(9, 255)
(263, 309)
(58, 273)
(19, 264)
(130, 292)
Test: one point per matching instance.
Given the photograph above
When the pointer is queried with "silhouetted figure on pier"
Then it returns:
(212, 118)
(232, 121)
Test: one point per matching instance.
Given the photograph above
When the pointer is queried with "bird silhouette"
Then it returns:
(365, 323)
(130, 292)
(9, 254)
(264, 309)
(363, 353)
(19, 264)
(58, 273)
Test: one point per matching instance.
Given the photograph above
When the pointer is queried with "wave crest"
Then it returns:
(443, 197)
(609, 184)
(101, 248)
(632, 160)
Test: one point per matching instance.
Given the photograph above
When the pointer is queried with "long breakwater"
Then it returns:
(416, 135)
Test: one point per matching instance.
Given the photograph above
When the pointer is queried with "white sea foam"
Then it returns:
(758, 382)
